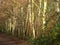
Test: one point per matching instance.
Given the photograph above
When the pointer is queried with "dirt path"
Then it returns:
(9, 40)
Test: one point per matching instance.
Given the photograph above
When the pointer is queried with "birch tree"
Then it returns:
(44, 14)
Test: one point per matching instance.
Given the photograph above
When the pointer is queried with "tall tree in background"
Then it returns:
(29, 17)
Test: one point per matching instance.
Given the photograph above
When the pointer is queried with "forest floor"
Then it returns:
(9, 40)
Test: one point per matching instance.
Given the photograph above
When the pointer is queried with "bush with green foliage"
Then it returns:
(53, 38)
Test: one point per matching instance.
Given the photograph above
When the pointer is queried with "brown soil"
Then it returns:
(9, 40)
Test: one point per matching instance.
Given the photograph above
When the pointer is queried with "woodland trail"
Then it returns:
(9, 40)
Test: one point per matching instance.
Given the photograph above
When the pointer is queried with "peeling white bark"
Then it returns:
(31, 16)
(44, 15)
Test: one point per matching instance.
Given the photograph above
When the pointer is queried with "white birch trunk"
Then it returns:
(44, 15)
(13, 25)
(57, 6)
(31, 16)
